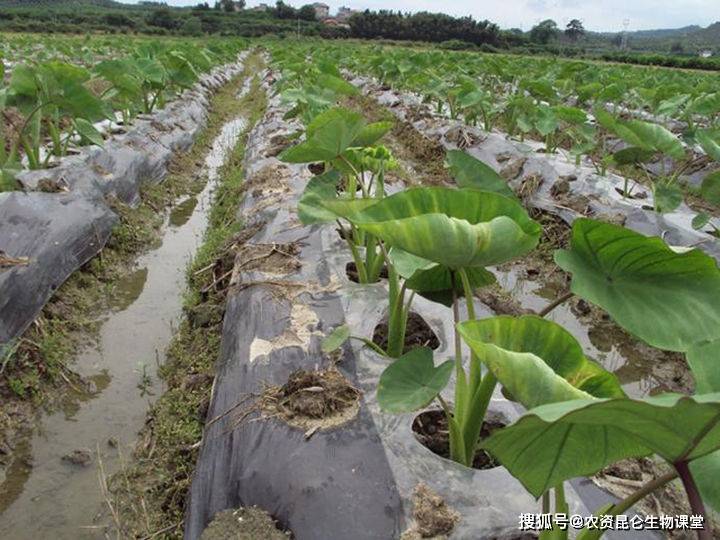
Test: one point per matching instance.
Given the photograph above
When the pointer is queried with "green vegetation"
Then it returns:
(440, 239)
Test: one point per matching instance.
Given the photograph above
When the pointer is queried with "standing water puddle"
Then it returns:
(605, 344)
(46, 495)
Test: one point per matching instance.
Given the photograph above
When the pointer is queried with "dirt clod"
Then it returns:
(79, 456)
(433, 517)
(243, 524)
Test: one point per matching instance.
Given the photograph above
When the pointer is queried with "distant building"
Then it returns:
(335, 23)
(322, 11)
(344, 13)
(706, 53)
(260, 7)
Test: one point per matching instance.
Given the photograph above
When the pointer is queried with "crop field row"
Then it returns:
(75, 91)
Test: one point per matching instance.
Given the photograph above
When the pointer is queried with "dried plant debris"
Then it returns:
(277, 259)
(433, 517)
(312, 400)
(249, 523)
(7, 261)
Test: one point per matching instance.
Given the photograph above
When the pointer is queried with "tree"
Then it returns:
(307, 13)
(677, 48)
(227, 6)
(162, 18)
(574, 30)
(283, 11)
(544, 32)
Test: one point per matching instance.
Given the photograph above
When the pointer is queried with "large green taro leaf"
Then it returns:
(537, 360)
(559, 441)
(669, 300)
(458, 228)
(469, 172)
(320, 188)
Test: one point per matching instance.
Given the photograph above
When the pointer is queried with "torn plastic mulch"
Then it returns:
(560, 187)
(61, 219)
(353, 479)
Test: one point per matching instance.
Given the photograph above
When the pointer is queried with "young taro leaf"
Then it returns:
(669, 300)
(709, 144)
(88, 131)
(537, 361)
(328, 136)
(412, 381)
(668, 197)
(469, 172)
(335, 339)
(318, 189)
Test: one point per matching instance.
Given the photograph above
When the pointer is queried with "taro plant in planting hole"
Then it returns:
(670, 300)
(47, 97)
(446, 237)
(343, 142)
(646, 141)
(409, 273)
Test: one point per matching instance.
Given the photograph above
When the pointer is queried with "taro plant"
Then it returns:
(669, 300)
(646, 141)
(48, 97)
(450, 236)
(343, 142)
(409, 274)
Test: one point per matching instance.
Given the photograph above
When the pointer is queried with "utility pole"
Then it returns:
(298, 28)
(624, 42)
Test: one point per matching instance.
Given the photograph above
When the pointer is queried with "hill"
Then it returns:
(59, 3)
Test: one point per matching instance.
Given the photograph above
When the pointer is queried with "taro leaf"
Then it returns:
(433, 280)
(709, 144)
(559, 441)
(710, 188)
(667, 197)
(669, 300)
(456, 228)
(704, 361)
(700, 220)
(651, 137)
(23, 81)
(318, 189)
(335, 339)
(372, 133)
(469, 172)
(88, 131)
(328, 136)
(546, 121)
(412, 381)
(632, 155)
(537, 361)
(570, 115)
(336, 84)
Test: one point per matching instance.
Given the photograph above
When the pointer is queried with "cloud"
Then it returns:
(607, 15)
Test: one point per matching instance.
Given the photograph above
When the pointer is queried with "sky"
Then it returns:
(599, 15)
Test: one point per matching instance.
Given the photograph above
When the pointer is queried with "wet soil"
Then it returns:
(417, 334)
(431, 429)
(352, 273)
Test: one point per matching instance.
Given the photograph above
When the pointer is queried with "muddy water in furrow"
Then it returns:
(52, 488)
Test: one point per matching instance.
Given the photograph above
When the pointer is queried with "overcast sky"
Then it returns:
(596, 14)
